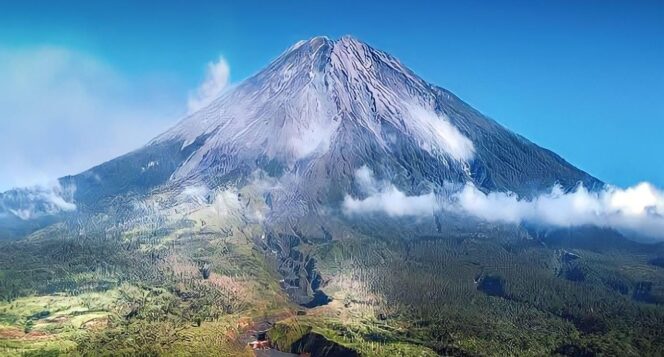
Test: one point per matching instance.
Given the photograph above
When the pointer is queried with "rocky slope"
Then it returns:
(307, 122)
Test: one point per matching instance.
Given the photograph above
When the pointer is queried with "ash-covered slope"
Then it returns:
(315, 115)
(324, 108)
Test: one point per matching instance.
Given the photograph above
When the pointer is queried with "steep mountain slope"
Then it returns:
(324, 108)
(315, 115)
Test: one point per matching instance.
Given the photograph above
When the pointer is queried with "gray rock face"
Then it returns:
(324, 108)
(315, 115)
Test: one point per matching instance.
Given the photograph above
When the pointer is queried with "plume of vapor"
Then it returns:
(216, 80)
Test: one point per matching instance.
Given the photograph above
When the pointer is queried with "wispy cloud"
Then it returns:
(36, 201)
(437, 133)
(384, 197)
(63, 111)
(196, 193)
(216, 80)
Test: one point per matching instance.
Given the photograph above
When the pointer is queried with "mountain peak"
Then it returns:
(352, 49)
(312, 42)
(318, 40)
(351, 40)
(346, 53)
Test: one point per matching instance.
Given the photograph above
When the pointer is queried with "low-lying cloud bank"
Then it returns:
(36, 201)
(384, 197)
(638, 209)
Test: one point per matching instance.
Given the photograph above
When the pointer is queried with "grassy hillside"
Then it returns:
(199, 289)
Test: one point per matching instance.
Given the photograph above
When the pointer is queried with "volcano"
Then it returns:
(317, 113)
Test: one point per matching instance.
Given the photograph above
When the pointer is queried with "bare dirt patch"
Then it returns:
(13, 333)
(96, 324)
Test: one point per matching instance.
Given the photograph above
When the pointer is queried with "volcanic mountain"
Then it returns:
(317, 197)
(319, 112)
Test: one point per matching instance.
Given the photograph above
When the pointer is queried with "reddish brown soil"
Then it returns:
(13, 333)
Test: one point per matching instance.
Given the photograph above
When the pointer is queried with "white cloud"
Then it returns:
(216, 80)
(226, 202)
(392, 202)
(32, 202)
(364, 178)
(384, 197)
(63, 111)
(638, 209)
(635, 210)
(195, 193)
(436, 133)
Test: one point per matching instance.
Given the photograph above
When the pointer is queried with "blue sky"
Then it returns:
(96, 79)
